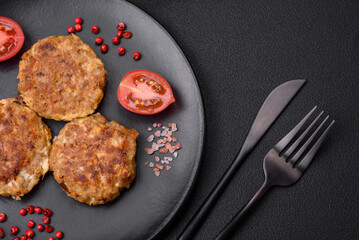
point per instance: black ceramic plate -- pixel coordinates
(143, 210)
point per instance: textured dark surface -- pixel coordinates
(241, 50)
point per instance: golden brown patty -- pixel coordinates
(61, 78)
(93, 159)
(24, 148)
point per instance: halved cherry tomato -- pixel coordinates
(11, 38)
(144, 92)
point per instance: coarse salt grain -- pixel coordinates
(154, 125)
(149, 129)
(168, 168)
(175, 154)
(157, 159)
(150, 138)
(157, 173)
(158, 133)
(152, 164)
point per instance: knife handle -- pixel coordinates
(197, 220)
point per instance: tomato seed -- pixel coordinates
(98, 41)
(95, 29)
(121, 26)
(71, 29)
(78, 27)
(104, 48)
(78, 20)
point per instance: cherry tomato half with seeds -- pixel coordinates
(11, 38)
(144, 92)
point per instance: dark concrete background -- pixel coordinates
(240, 51)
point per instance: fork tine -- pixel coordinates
(303, 165)
(295, 158)
(298, 141)
(284, 142)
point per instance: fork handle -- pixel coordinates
(232, 226)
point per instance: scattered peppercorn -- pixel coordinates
(99, 41)
(119, 33)
(30, 209)
(104, 48)
(121, 50)
(59, 234)
(14, 230)
(47, 212)
(40, 227)
(2, 217)
(16, 238)
(23, 237)
(136, 55)
(49, 228)
(71, 29)
(38, 210)
(116, 40)
(23, 211)
(31, 224)
(78, 27)
(46, 220)
(2, 234)
(51, 238)
(29, 233)
(95, 29)
(121, 26)
(78, 20)
(127, 35)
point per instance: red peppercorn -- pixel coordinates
(121, 50)
(46, 220)
(29, 238)
(47, 212)
(2, 217)
(40, 227)
(2, 234)
(16, 238)
(127, 35)
(31, 224)
(23, 211)
(38, 210)
(14, 230)
(116, 40)
(78, 27)
(23, 237)
(59, 234)
(49, 228)
(104, 48)
(71, 29)
(98, 41)
(51, 238)
(29, 233)
(136, 55)
(119, 33)
(95, 29)
(121, 26)
(78, 20)
(30, 209)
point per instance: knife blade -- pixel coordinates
(272, 107)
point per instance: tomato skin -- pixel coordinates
(130, 89)
(17, 39)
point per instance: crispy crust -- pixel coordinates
(61, 78)
(93, 159)
(24, 148)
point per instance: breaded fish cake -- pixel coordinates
(61, 78)
(93, 159)
(24, 148)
